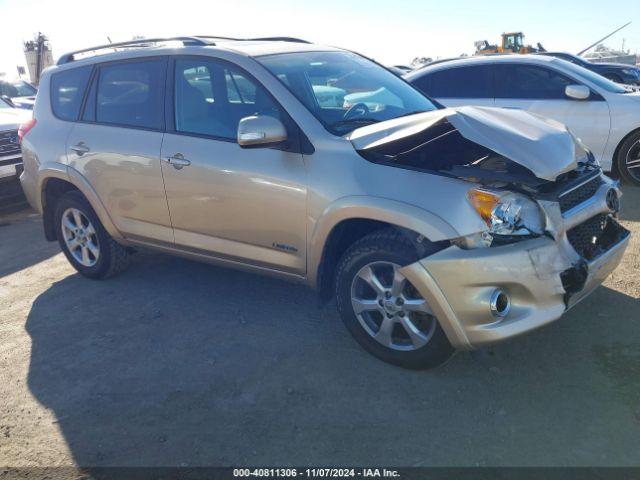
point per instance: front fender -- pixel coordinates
(400, 214)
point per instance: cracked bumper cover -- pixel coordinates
(458, 285)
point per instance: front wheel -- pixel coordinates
(382, 310)
(628, 159)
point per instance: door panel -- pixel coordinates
(244, 204)
(587, 120)
(123, 167)
(117, 146)
(461, 102)
(247, 205)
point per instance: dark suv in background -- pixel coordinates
(616, 72)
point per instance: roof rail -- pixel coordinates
(278, 39)
(260, 39)
(69, 57)
(218, 37)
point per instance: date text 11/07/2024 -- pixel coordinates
(316, 472)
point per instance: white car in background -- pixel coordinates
(10, 154)
(22, 94)
(604, 115)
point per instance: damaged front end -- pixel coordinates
(551, 234)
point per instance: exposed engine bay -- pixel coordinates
(522, 164)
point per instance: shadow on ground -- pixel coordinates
(15, 247)
(630, 202)
(178, 363)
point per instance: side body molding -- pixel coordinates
(381, 209)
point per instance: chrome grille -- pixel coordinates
(9, 143)
(579, 194)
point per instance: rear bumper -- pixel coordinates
(458, 285)
(29, 185)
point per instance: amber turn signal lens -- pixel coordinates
(484, 202)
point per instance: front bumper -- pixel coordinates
(543, 277)
(458, 285)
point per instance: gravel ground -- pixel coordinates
(179, 363)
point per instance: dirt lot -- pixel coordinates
(179, 363)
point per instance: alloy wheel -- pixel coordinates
(390, 309)
(632, 161)
(80, 237)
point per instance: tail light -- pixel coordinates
(25, 128)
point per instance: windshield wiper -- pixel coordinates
(354, 121)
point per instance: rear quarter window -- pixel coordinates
(67, 91)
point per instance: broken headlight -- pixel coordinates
(507, 214)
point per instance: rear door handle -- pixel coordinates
(178, 161)
(80, 148)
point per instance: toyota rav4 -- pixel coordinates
(435, 229)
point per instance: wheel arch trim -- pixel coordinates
(393, 212)
(72, 176)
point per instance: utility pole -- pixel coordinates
(38, 55)
(39, 46)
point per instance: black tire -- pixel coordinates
(631, 146)
(113, 258)
(385, 246)
(613, 77)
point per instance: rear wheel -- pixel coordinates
(628, 159)
(84, 241)
(382, 310)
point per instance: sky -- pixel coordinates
(391, 31)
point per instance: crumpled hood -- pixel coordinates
(543, 146)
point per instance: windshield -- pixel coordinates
(345, 91)
(593, 77)
(17, 89)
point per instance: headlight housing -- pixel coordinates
(507, 214)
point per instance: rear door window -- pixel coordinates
(459, 82)
(67, 90)
(530, 82)
(131, 94)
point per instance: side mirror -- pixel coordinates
(260, 131)
(577, 92)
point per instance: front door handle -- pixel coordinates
(178, 161)
(80, 148)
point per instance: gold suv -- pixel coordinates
(435, 229)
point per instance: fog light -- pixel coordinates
(500, 303)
